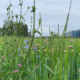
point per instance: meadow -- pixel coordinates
(49, 58)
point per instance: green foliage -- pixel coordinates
(9, 28)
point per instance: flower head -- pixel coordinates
(3, 58)
(2, 42)
(27, 46)
(36, 67)
(26, 41)
(45, 41)
(35, 48)
(45, 50)
(71, 40)
(38, 45)
(70, 46)
(19, 65)
(38, 56)
(16, 71)
(71, 50)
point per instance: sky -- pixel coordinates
(52, 13)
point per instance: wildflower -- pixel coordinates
(2, 42)
(72, 40)
(19, 65)
(38, 45)
(45, 41)
(35, 48)
(38, 56)
(36, 67)
(27, 46)
(70, 46)
(71, 50)
(26, 41)
(9, 55)
(7, 45)
(16, 71)
(3, 58)
(43, 47)
(45, 50)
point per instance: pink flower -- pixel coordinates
(45, 41)
(19, 65)
(38, 45)
(3, 58)
(71, 40)
(36, 67)
(16, 71)
(70, 46)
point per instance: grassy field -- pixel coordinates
(48, 59)
(53, 58)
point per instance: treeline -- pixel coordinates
(10, 28)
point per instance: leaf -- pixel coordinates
(11, 5)
(37, 32)
(22, 17)
(10, 79)
(49, 69)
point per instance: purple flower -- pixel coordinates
(26, 41)
(35, 48)
(27, 46)
(38, 56)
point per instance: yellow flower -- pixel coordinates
(2, 42)
(45, 50)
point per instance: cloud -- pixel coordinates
(52, 13)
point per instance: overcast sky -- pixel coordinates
(52, 13)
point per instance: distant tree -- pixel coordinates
(22, 29)
(9, 27)
(0, 31)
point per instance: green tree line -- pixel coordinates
(10, 28)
